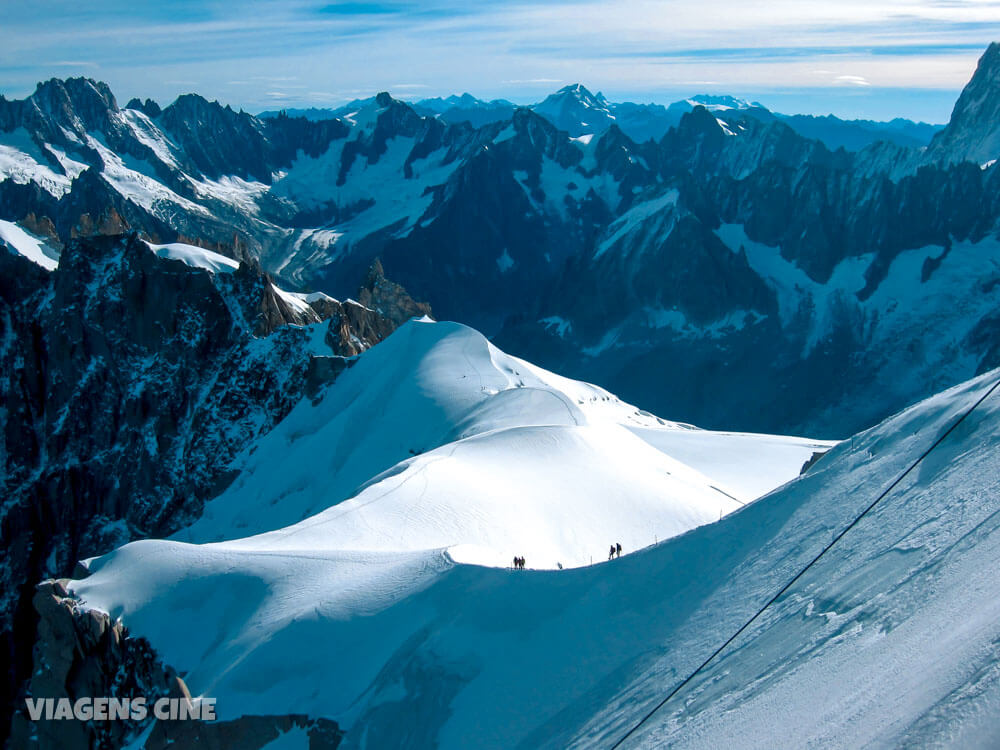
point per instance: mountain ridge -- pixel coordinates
(473, 217)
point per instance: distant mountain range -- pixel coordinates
(577, 111)
(182, 289)
(733, 242)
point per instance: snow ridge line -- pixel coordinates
(808, 565)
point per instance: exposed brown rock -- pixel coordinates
(83, 653)
(389, 298)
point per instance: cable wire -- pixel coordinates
(802, 572)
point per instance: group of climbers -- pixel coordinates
(614, 551)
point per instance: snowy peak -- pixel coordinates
(721, 103)
(576, 110)
(973, 134)
(62, 111)
(439, 105)
(383, 112)
(149, 108)
(467, 108)
(83, 98)
(581, 94)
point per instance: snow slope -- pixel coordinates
(196, 257)
(472, 434)
(410, 648)
(356, 600)
(32, 247)
(890, 640)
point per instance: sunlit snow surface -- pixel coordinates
(196, 257)
(438, 438)
(34, 248)
(359, 609)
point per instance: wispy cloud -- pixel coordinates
(74, 64)
(507, 48)
(851, 81)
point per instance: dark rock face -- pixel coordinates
(973, 134)
(149, 108)
(217, 141)
(129, 383)
(84, 653)
(389, 298)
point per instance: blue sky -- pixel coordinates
(854, 58)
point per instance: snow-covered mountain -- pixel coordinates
(436, 447)
(467, 432)
(467, 108)
(131, 376)
(429, 647)
(182, 368)
(973, 133)
(472, 219)
(577, 111)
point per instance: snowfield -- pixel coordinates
(437, 438)
(333, 577)
(34, 248)
(196, 257)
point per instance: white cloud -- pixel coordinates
(851, 81)
(513, 49)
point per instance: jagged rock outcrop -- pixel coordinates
(389, 298)
(83, 653)
(973, 133)
(129, 383)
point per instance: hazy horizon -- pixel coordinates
(874, 60)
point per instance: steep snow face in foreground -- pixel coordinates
(438, 438)
(889, 640)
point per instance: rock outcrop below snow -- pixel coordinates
(83, 653)
(130, 381)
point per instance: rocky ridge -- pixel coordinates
(129, 383)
